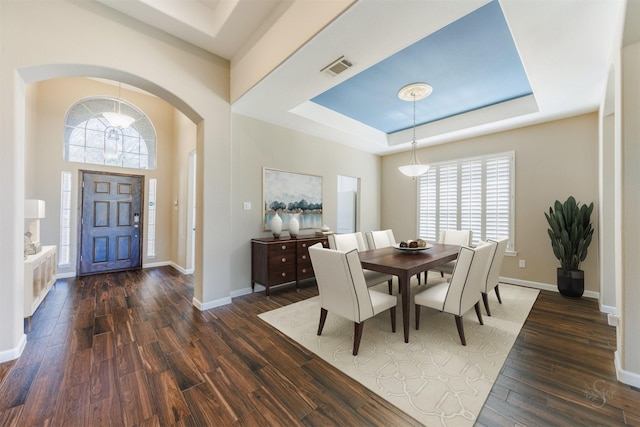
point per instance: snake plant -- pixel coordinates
(570, 232)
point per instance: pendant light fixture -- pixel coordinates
(414, 92)
(117, 119)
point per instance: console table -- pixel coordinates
(39, 276)
(275, 261)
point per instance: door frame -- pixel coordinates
(81, 174)
(191, 217)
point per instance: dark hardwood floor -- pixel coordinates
(128, 348)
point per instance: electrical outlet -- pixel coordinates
(246, 206)
(521, 263)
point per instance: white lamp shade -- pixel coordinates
(33, 208)
(414, 170)
(118, 120)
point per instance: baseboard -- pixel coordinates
(181, 269)
(607, 309)
(543, 286)
(15, 352)
(158, 264)
(626, 377)
(247, 291)
(210, 304)
(66, 275)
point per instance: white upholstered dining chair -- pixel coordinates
(380, 239)
(343, 290)
(452, 237)
(350, 241)
(493, 272)
(462, 292)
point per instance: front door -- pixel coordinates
(111, 222)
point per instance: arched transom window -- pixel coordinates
(92, 135)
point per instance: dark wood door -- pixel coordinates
(111, 222)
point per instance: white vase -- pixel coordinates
(276, 225)
(294, 225)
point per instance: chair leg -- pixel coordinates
(498, 294)
(417, 316)
(460, 330)
(485, 300)
(478, 313)
(390, 287)
(323, 317)
(392, 310)
(357, 336)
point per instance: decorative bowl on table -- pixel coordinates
(412, 245)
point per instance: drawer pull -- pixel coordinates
(284, 274)
(304, 245)
(304, 270)
(325, 244)
(304, 257)
(284, 260)
(284, 247)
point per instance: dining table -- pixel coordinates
(404, 263)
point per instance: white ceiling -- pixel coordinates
(565, 47)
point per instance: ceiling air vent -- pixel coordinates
(337, 66)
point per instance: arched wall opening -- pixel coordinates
(13, 339)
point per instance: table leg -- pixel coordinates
(403, 283)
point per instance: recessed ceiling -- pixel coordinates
(471, 63)
(501, 64)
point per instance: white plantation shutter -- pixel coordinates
(468, 194)
(448, 196)
(427, 206)
(471, 197)
(498, 198)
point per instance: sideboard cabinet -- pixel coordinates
(275, 261)
(39, 276)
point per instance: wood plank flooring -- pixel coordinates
(128, 348)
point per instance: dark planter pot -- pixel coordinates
(571, 283)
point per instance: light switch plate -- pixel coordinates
(246, 206)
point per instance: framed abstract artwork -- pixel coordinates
(289, 193)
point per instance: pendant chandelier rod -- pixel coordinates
(117, 119)
(414, 92)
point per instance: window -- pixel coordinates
(474, 193)
(151, 223)
(65, 219)
(90, 138)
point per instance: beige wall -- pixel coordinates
(256, 145)
(184, 139)
(554, 160)
(45, 163)
(628, 287)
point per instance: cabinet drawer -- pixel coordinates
(305, 270)
(284, 248)
(303, 246)
(282, 260)
(282, 274)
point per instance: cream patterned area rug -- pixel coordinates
(433, 378)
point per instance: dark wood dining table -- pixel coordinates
(406, 264)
